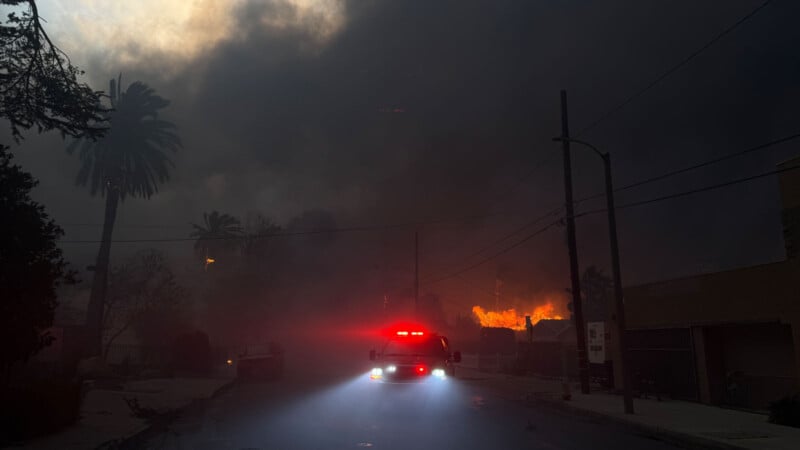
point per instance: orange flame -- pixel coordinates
(510, 318)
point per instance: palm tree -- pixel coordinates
(131, 159)
(255, 243)
(219, 233)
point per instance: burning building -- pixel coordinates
(515, 320)
(499, 328)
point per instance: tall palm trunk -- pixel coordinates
(95, 310)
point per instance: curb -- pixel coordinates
(681, 439)
(684, 440)
(135, 440)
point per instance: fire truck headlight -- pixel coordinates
(391, 369)
(438, 373)
(376, 373)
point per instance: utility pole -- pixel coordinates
(618, 299)
(416, 273)
(622, 363)
(580, 331)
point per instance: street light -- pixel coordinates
(620, 306)
(208, 261)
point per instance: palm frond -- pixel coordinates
(135, 154)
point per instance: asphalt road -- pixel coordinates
(315, 409)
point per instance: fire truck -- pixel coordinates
(413, 354)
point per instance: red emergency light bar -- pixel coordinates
(413, 333)
(405, 330)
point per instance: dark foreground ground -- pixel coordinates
(316, 408)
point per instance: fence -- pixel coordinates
(662, 362)
(756, 392)
(550, 359)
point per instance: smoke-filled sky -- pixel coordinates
(386, 112)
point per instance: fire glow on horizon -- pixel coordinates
(510, 318)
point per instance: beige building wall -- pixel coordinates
(765, 294)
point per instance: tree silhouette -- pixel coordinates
(31, 266)
(38, 88)
(219, 233)
(256, 244)
(132, 159)
(38, 83)
(140, 290)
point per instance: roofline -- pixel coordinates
(708, 274)
(712, 323)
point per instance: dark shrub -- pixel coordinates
(786, 411)
(37, 408)
(191, 352)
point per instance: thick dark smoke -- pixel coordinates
(418, 110)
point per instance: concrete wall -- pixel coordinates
(749, 365)
(765, 297)
(745, 319)
(765, 293)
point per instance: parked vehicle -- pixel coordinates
(260, 362)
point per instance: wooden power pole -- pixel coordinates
(577, 307)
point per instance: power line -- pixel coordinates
(674, 68)
(696, 166)
(498, 197)
(489, 293)
(692, 191)
(493, 256)
(96, 225)
(628, 205)
(508, 192)
(511, 234)
(514, 233)
(519, 183)
(305, 232)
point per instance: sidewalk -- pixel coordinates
(105, 415)
(685, 423)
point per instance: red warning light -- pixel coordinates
(412, 333)
(421, 369)
(405, 329)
